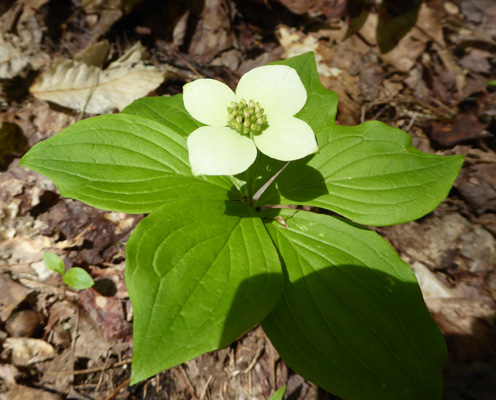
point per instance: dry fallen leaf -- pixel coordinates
(27, 351)
(77, 85)
(430, 285)
(20, 392)
(20, 41)
(11, 295)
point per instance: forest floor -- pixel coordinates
(423, 67)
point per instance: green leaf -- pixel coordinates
(121, 162)
(171, 113)
(199, 274)
(53, 262)
(319, 112)
(491, 82)
(279, 394)
(370, 174)
(168, 111)
(352, 318)
(78, 278)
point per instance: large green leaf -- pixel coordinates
(199, 274)
(369, 173)
(351, 318)
(168, 111)
(121, 162)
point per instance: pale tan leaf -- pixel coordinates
(77, 85)
(27, 351)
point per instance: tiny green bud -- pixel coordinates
(246, 117)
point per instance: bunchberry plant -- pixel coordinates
(77, 278)
(224, 248)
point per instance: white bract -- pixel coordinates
(259, 115)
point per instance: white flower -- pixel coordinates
(259, 115)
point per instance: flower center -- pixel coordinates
(246, 117)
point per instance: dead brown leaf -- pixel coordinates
(11, 295)
(27, 351)
(213, 34)
(19, 392)
(77, 85)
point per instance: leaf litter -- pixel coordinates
(81, 86)
(431, 83)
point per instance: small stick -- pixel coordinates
(118, 389)
(193, 69)
(90, 370)
(178, 376)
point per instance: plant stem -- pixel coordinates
(260, 191)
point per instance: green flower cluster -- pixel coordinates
(246, 118)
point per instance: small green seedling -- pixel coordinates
(279, 394)
(77, 278)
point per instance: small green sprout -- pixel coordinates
(77, 278)
(279, 394)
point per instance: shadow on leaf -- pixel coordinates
(358, 333)
(300, 182)
(254, 299)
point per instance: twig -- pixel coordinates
(204, 391)
(193, 69)
(422, 30)
(252, 364)
(118, 389)
(90, 95)
(186, 385)
(91, 370)
(412, 121)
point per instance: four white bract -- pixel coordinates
(259, 115)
